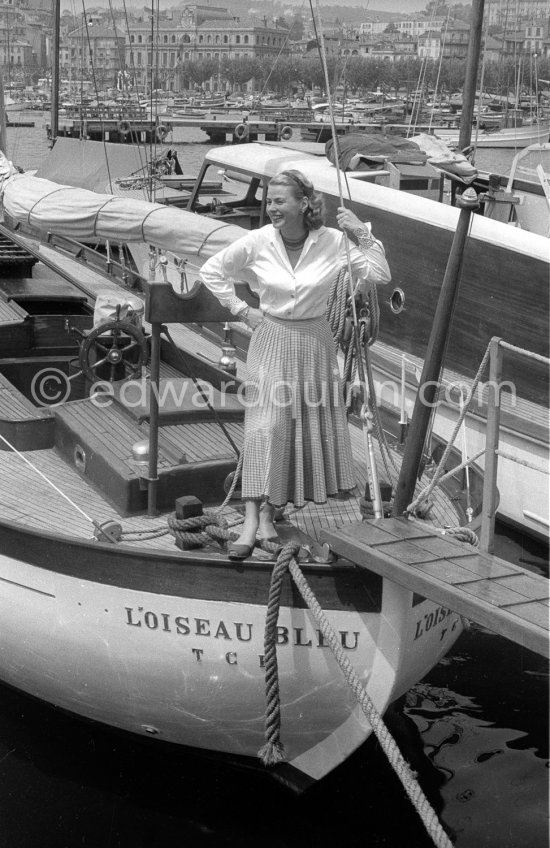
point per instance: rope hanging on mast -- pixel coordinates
(366, 415)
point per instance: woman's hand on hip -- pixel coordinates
(253, 318)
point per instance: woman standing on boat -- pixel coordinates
(296, 442)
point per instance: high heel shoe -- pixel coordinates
(237, 552)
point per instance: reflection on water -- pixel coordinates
(487, 737)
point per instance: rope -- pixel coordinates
(199, 530)
(142, 535)
(463, 534)
(425, 493)
(528, 353)
(454, 471)
(336, 306)
(47, 479)
(273, 752)
(523, 462)
(336, 314)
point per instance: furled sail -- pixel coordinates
(81, 214)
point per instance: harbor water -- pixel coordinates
(475, 731)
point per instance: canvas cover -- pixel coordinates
(413, 156)
(83, 215)
(92, 164)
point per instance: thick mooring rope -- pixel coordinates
(273, 752)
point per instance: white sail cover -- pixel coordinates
(81, 214)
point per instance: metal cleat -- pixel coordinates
(316, 553)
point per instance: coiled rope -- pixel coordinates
(338, 315)
(273, 751)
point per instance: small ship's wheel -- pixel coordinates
(115, 350)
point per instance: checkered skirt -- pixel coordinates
(296, 440)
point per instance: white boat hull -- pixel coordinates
(190, 671)
(512, 137)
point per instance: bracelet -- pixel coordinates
(365, 238)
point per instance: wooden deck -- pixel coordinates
(10, 314)
(501, 596)
(190, 439)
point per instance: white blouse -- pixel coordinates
(260, 259)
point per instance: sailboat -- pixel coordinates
(116, 509)
(125, 624)
(505, 272)
(513, 138)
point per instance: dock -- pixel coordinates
(221, 128)
(501, 596)
(10, 123)
(117, 130)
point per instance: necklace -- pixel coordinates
(294, 244)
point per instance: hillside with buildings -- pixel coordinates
(237, 47)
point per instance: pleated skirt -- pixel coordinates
(296, 440)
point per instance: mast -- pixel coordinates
(3, 138)
(55, 70)
(470, 81)
(372, 475)
(429, 382)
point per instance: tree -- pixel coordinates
(239, 71)
(460, 12)
(361, 74)
(311, 73)
(296, 28)
(199, 72)
(279, 76)
(437, 8)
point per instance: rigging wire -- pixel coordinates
(124, 81)
(439, 68)
(421, 84)
(96, 90)
(371, 465)
(127, 91)
(264, 87)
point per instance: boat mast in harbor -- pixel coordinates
(55, 70)
(435, 354)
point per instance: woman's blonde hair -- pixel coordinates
(314, 215)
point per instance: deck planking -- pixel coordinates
(501, 596)
(195, 440)
(10, 314)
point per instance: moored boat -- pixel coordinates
(125, 626)
(501, 137)
(505, 271)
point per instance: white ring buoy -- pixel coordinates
(241, 131)
(287, 133)
(161, 132)
(123, 128)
